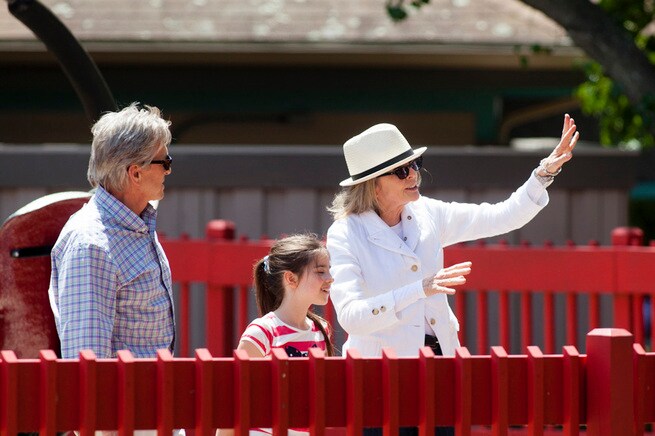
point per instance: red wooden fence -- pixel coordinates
(610, 390)
(623, 271)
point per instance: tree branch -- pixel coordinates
(592, 30)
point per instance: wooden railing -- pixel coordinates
(623, 272)
(610, 390)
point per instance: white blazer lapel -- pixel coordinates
(380, 234)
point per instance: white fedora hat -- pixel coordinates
(375, 151)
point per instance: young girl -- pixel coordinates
(294, 276)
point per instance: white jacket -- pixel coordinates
(377, 290)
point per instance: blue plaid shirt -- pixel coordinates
(110, 287)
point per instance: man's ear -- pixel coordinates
(134, 173)
(290, 279)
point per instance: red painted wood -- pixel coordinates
(499, 391)
(125, 394)
(549, 323)
(526, 320)
(610, 401)
(460, 313)
(242, 388)
(594, 311)
(390, 393)
(88, 393)
(204, 391)
(165, 393)
(354, 393)
(184, 320)
(464, 392)
(571, 318)
(243, 308)
(483, 322)
(536, 390)
(9, 401)
(317, 396)
(637, 328)
(427, 392)
(640, 393)
(280, 391)
(48, 393)
(503, 309)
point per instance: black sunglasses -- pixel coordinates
(403, 171)
(166, 163)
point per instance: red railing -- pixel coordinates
(610, 390)
(625, 272)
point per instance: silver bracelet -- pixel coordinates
(545, 181)
(543, 167)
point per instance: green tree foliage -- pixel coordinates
(622, 122)
(624, 104)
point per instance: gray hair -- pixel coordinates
(120, 139)
(356, 199)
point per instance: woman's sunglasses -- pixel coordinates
(403, 171)
(167, 163)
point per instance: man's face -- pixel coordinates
(152, 187)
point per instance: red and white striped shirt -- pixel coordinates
(270, 332)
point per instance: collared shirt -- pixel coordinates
(110, 287)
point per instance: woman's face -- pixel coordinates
(393, 193)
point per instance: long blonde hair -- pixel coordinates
(354, 199)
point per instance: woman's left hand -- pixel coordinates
(552, 165)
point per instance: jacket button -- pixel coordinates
(409, 217)
(433, 321)
(414, 268)
(383, 309)
(375, 311)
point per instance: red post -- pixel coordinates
(126, 394)
(426, 383)
(571, 318)
(48, 391)
(390, 392)
(88, 393)
(640, 392)
(463, 391)
(8, 393)
(220, 300)
(185, 330)
(354, 393)
(165, 392)
(317, 402)
(241, 393)
(499, 391)
(571, 394)
(535, 391)
(204, 391)
(280, 391)
(526, 320)
(623, 236)
(483, 322)
(549, 323)
(610, 401)
(503, 321)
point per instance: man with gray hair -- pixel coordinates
(110, 287)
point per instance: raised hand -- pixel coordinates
(552, 165)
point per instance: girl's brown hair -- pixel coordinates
(294, 253)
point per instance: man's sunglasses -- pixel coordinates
(403, 171)
(166, 163)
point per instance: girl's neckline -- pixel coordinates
(306, 327)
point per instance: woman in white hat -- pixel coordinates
(386, 243)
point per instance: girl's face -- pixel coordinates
(316, 281)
